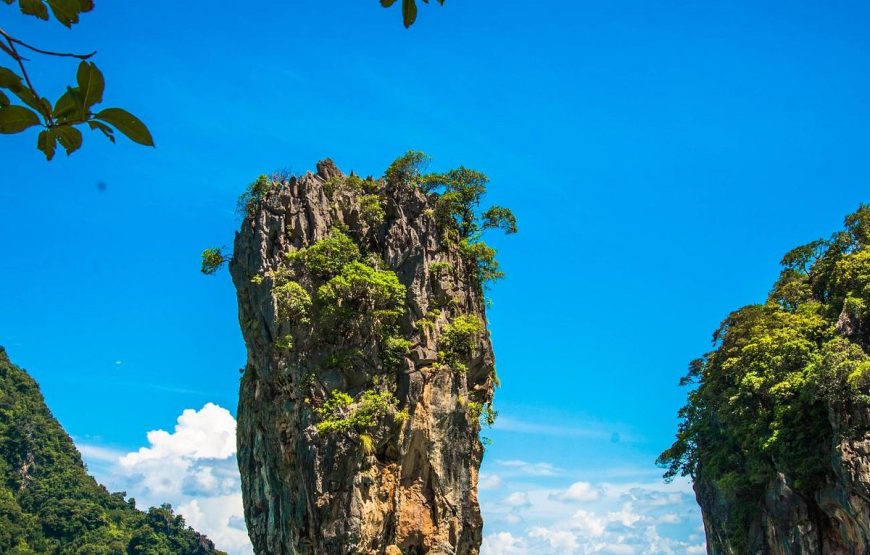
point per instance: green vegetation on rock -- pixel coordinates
(458, 340)
(780, 374)
(341, 413)
(458, 194)
(326, 258)
(212, 260)
(49, 505)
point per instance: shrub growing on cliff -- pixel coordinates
(407, 168)
(372, 210)
(293, 303)
(778, 371)
(326, 258)
(458, 340)
(212, 260)
(250, 200)
(341, 413)
(361, 291)
(458, 194)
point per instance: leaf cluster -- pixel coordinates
(60, 121)
(73, 108)
(458, 194)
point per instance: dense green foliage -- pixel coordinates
(458, 340)
(326, 258)
(212, 260)
(75, 107)
(49, 504)
(340, 413)
(293, 302)
(779, 374)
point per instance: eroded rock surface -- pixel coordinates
(410, 485)
(835, 520)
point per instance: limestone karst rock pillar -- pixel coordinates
(369, 365)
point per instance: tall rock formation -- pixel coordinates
(776, 435)
(369, 368)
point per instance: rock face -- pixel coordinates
(327, 473)
(835, 520)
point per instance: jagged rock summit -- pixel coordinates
(369, 367)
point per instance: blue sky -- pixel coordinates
(660, 157)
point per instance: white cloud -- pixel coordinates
(488, 481)
(580, 491)
(193, 468)
(530, 468)
(517, 499)
(561, 540)
(591, 518)
(503, 543)
(589, 523)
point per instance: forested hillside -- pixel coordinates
(48, 502)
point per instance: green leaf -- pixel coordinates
(409, 12)
(106, 130)
(128, 124)
(15, 119)
(33, 7)
(69, 105)
(47, 143)
(91, 84)
(387, 3)
(66, 11)
(9, 79)
(69, 138)
(4, 100)
(41, 105)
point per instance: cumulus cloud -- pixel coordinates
(503, 543)
(193, 468)
(579, 491)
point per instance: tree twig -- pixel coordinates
(10, 38)
(48, 119)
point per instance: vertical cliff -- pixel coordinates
(369, 364)
(776, 433)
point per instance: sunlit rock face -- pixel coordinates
(406, 481)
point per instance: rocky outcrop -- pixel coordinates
(776, 430)
(358, 419)
(834, 520)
